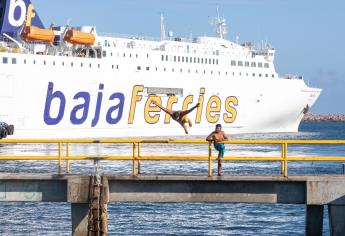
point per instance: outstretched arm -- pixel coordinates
(183, 113)
(210, 137)
(170, 112)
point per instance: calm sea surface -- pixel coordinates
(176, 218)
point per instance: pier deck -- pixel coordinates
(314, 191)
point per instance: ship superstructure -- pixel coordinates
(72, 82)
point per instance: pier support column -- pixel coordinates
(79, 219)
(314, 221)
(336, 215)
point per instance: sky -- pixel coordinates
(308, 35)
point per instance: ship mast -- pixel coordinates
(220, 23)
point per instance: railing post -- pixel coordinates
(134, 161)
(285, 160)
(139, 163)
(59, 161)
(209, 160)
(282, 161)
(67, 159)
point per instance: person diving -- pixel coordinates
(179, 116)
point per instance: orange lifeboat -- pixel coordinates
(78, 37)
(33, 33)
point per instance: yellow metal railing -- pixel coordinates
(136, 156)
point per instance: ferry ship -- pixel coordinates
(71, 82)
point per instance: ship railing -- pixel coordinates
(128, 36)
(135, 155)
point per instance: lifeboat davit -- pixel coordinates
(33, 33)
(78, 37)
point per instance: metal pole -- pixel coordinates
(139, 163)
(134, 161)
(67, 159)
(59, 161)
(209, 160)
(285, 160)
(282, 161)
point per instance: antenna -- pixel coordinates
(220, 23)
(163, 35)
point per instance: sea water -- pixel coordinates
(177, 218)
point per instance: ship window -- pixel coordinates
(266, 75)
(205, 60)
(156, 69)
(81, 64)
(233, 73)
(181, 70)
(266, 65)
(111, 54)
(196, 71)
(147, 55)
(165, 69)
(210, 61)
(117, 66)
(240, 63)
(136, 55)
(63, 63)
(166, 58)
(204, 71)
(24, 61)
(188, 70)
(138, 67)
(124, 55)
(112, 66)
(260, 64)
(14, 60)
(272, 76)
(44, 63)
(172, 69)
(253, 64)
(198, 60)
(190, 60)
(34, 61)
(182, 59)
(259, 75)
(211, 72)
(130, 55)
(162, 57)
(218, 72)
(253, 74)
(214, 61)
(226, 73)
(233, 63)
(72, 64)
(187, 59)
(202, 60)
(246, 64)
(104, 53)
(240, 73)
(99, 66)
(174, 58)
(194, 60)
(90, 65)
(53, 63)
(178, 59)
(147, 68)
(217, 61)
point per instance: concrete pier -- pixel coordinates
(314, 191)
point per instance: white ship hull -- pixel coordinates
(262, 105)
(70, 82)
